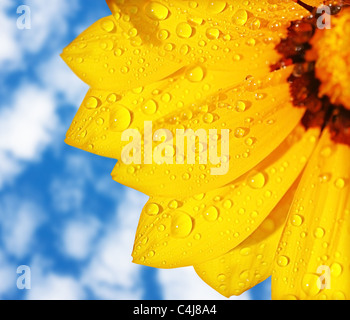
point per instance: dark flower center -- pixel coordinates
(304, 84)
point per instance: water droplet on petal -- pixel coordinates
(211, 213)
(227, 204)
(319, 233)
(184, 30)
(152, 209)
(108, 25)
(91, 103)
(156, 11)
(241, 132)
(240, 17)
(213, 33)
(297, 220)
(120, 118)
(339, 183)
(195, 74)
(240, 106)
(150, 107)
(256, 180)
(181, 225)
(221, 277)
(336, 269)
(283, 261)
(216, 6)
(311, 284)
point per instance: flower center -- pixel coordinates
(321, 75)
(332, 47)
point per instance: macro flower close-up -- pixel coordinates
(234, 118)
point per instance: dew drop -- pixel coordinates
(227, 204)
(336, 269)
(319, 233)
(310, 284)
(181, 225)
(297, 220)
(91, 103)
(120, 118)
(245, 251)
(256, 180)
(108, 25)
(195, 74)
(213, 33)
(152, 209)
(100, 121)
(163, 34)
(339, 183)
(217, 6)
(208, 118)
(240, 106)
(150, 107)
(112, 98)
(283, 261)
(241, 132)
(240, 17)
(197, 236)
(173, 204)
(221, 277)
(184, 30)
(211, 213)
(156, 11)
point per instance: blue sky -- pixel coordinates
(61, 214)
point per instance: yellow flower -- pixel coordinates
(273, 75)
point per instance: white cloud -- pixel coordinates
(48, 22)
(111, 274)
(49, 285)
(56, 287)
(19, 221)
(9, 43)
(184, 284)
(7, 275)
(48, 25)
(26, 128)
(58, 78)
(78, 236)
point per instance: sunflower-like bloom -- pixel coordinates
(275, 75)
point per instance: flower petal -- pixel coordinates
(316, 240)
(181, 232)
(94, 129)
(251, 261)
(256, 117)
(145, 42)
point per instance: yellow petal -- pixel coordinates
(95, 127)
(316, 240)
(253, 118)
(145, 42)
(251, 261)
(181, 232)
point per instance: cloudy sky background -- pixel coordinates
(60, 212)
